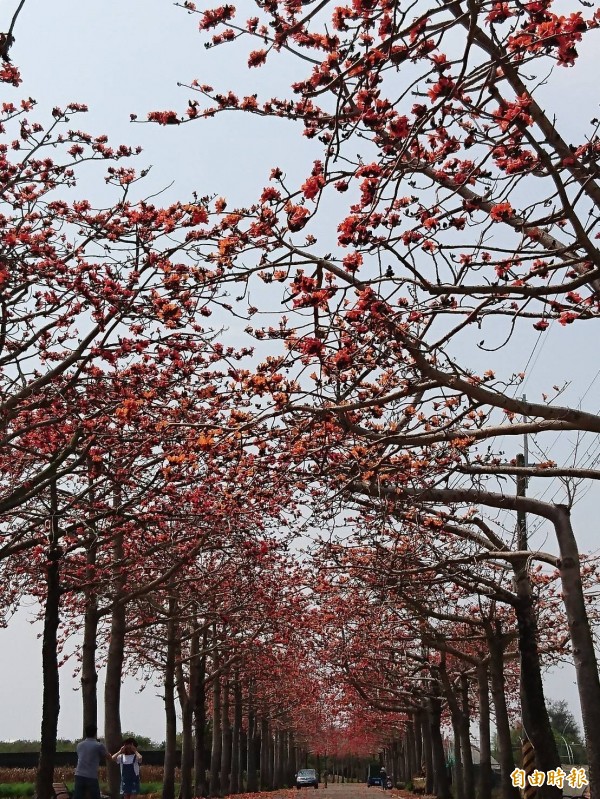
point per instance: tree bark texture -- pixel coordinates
(497, 682)
(217, 736)
(168, 789)
(264, 753)
(584, 655)
(89, 675)
(465, 738)
(50, 679)
(441, 784)
(251, 746)
(536, 722)
(200, 758)
(236, 728)
(187, 701)
(484, 790)
(226, 745)
(427, 752)
(115, 658)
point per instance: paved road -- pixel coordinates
(353, 790)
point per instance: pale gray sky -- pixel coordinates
(126, 56)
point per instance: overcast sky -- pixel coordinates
(126, 56)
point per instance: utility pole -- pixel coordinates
(522, 542)
(522, 460)
(528, 751)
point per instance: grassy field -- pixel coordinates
(18, 783)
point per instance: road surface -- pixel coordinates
(352, 790)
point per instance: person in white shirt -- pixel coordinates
(129, 760)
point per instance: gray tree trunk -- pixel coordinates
(115, 658)
(485, 749)
(536, 721)
(427, 752)
(187, 701)
(441, 784)
(264, 753)
(89, 675)
(236, 729)
(50, 679)
(505, 755)
(465, 739)
(200, 755)
(226, 737)
(251, 746)
(584, 655)
(217, 737)
(168, 789)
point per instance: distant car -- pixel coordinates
(374, 775)
(307, 778)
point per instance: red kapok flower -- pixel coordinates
(257, 57)
(501, 212)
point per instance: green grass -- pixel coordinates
(154, 787)
(8, 790)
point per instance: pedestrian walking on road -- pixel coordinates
(383, 779)
(90, 753)
(129, 760)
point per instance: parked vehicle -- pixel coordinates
(307, 778)
(374, 775)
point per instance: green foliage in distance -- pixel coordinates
(66, 745)
(567, 733)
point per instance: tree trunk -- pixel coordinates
(427, 751)
(411, 749)
(252, 782)
(455, 715)
(275, 737)
(264, 753)
(292, 769)
(441, 784)
(226, 737)
(465, 739)
(536, 722)
(416, 722)
(271, 760)
(396, 770)
(217, 737)
(458, 782)
(243, 760)
(236, 729)
(187, 701)
(50, 679)
(280, 771)
(506, 758)
(168, 789)
(200, 786)
(89, 675)
(485, 750)
(584, 656)
(115, 658)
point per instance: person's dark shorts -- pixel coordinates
(86, 787)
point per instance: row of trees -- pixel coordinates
(155, 471)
